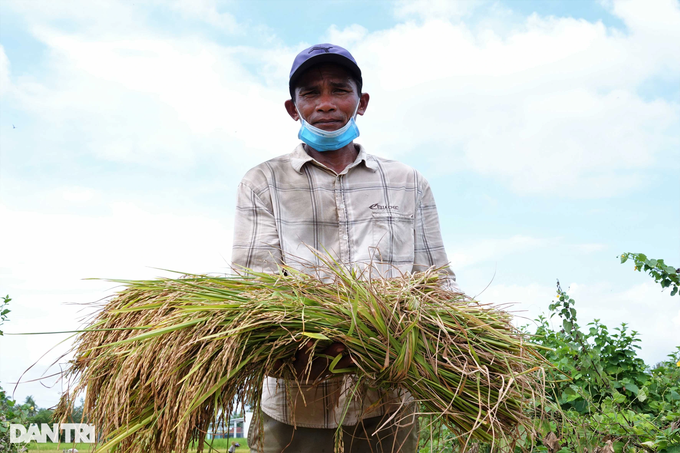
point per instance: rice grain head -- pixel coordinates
(166, 359)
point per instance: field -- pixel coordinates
(219, 444)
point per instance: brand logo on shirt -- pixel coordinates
(383, 206)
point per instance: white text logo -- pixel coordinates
(81, 433)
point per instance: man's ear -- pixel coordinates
(363, 103)
(290, 108)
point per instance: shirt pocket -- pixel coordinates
(393, 237)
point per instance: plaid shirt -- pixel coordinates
(376, 212)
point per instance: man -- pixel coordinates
(370, 213)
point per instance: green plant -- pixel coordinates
(603, 390)
(42, 415)
(663, 274)
(10, 413)
(603, 397)
(593, 363)
(4, 310)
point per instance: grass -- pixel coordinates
(220, 444)
(223, 445)
(52, 447)
(165, 357)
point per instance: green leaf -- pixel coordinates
(642, 395)
(619, 398)
(624, 258)
(612, 369)
(632, 388)
(316, 336)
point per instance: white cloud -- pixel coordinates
(526, 302)
(64, 248)
(489, 250)
(131, 93)
(206, 10)
(167, 101)
(78, 194)
(347, 36)
(589, 248)
(644, 307)
(429, 9)
(654, 26)
(110, 18)
(549, 108)
(4, 72)
(45, 258)
(88, 17)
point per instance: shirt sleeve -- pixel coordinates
(429, 245)
(256, 244)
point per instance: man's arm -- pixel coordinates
(429, 245)
(256, 243)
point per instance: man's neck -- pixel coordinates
(336, 160)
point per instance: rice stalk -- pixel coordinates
(167, 358)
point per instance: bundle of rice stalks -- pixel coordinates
(167, 358)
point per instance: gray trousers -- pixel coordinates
(279, 437)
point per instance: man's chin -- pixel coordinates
(328, 126)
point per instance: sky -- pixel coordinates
(548, 130)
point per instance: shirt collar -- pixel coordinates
(299, 158)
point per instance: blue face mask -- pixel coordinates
(322, 140)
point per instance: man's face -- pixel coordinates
(326, 96)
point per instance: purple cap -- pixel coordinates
(322, 53)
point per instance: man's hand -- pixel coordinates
(320, 365)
